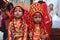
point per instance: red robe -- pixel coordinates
(42, 8)
(47, 18)
(20, 27)
(38, 32)
(16, 32)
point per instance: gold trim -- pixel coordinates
(36, 7)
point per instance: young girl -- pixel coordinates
(37, 30)
(18, 28)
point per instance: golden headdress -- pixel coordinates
(36, 7)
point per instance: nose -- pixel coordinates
(38, 18)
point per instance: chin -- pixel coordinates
(37, 22)
(17, 16)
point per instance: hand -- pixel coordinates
(43, 37)
(18, 35)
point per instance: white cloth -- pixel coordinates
(55, 19)
(56, 22)
(1, 35)
(52, 13)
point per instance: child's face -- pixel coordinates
(37, 18)
(18, 13)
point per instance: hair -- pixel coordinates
(20, 7)
(51, 4)
(2, 4)
(41, 2)
(9, 5)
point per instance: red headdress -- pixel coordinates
(35, 7)
(22, 7)
(25, 16)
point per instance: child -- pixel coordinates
(18, 29)
(37, 30)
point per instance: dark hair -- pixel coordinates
(2, 4)
(41, 2)
(9, 6)
(20, 7)
(51, 4)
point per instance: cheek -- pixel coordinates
(37, 19)
(18, 14)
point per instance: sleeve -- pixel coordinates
(44, 34)
(10, 32)
(25, 32)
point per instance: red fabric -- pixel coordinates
(2, 28)
(4, 24)
(47, 17)
(5, 21)
(25, 16)
(46, 21)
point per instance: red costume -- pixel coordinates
(36, 31)
(18, 29)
